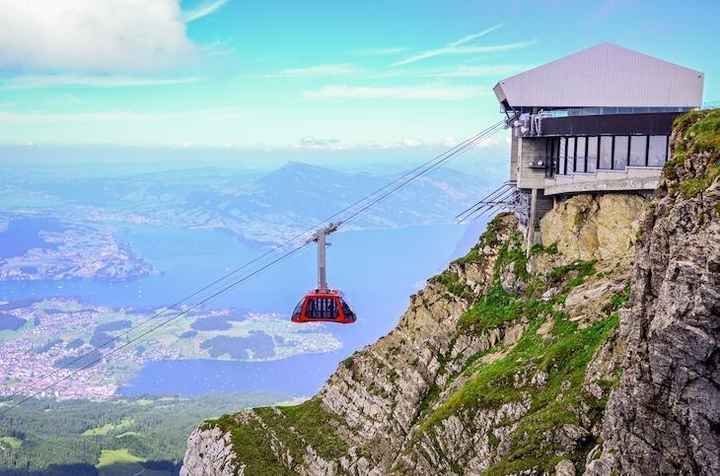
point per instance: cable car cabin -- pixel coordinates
(323, 306)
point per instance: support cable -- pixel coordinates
(404, 180)
(273, 250)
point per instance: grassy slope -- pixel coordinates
(696, 132)
(297, 426)
(563, 356)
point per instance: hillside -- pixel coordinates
(598, 354)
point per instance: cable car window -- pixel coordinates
(298, 309)
(348, 312)
(322, 308)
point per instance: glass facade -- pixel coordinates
(589, 154)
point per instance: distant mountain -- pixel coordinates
(297, 195)
(270, 207)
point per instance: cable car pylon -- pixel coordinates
(323, 304)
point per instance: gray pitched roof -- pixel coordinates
(604, 75)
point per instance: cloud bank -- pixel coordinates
(93, 35)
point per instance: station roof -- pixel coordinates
(606, 75)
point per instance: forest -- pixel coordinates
(47, 437)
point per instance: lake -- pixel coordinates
(23, 233)
(377, 269)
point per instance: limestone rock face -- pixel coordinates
(664, 418)
(210, 453)
(589, 227)
(380, 393)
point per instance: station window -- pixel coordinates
(581, 154)
(657, 151)
(622, 144)
(606, 145)
(571, 155)
(592, 153)
(556, 155)
(637, 150)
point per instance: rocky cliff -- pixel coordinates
(598, 353)
(664, 417)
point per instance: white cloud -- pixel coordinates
(93, 35)
(57, 80)
(440, 93)
(465, 50)
(203, 10)
(316, 71)
(474, 36)
(411, 142)
(320, 143)
(459, 47)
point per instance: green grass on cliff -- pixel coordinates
(491, 311)
(297, 426)
(560, 401)
(451, 281)
(497, 306)
(563, 358)
(489, 238)
(559, 359)
(696, 132)
(251, 441)
(307, 424)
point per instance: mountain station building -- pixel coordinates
(596, 121)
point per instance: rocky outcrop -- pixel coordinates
(210, 453)
(664, 418)
(505, 364)
(599, 227)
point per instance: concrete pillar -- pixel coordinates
(530, 238)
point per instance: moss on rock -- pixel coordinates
(254, 434)
(695, 163)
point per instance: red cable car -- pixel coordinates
(323, 304)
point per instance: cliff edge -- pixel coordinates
(598, 353)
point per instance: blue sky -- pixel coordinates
(279, 74)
